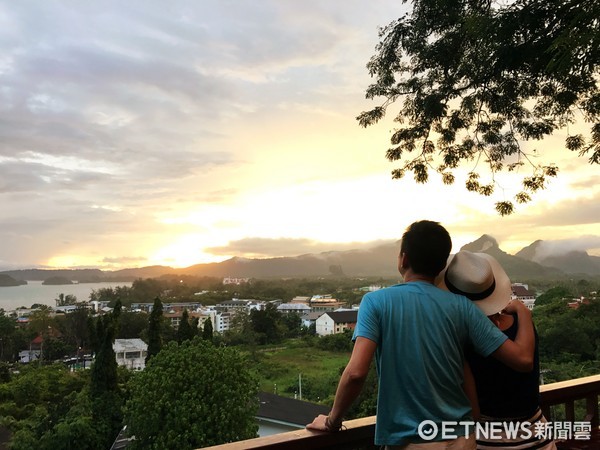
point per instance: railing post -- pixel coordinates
(591, 403)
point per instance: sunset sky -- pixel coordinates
(149, 132)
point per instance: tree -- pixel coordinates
(74, 326)
(192, 395)
(10, 338)
(104, 368)
(35, 399)
(40, 321)
(65, 300)
(185, 332)
(555, 293)
(155, 329)
(478, 78)
(104, 392)
(267, 324)
(132, 324)
(292, 324)
(207, 330)
(107, 295)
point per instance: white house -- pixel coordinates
(521, 292)
(334, 322)
(310, 318)
(131, 353)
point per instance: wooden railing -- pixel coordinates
(566, 393)
(359, 433)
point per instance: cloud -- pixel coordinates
(22, 176)
(124, 260)
(562, 246)
(570, 212)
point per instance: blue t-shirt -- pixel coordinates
(421, 331)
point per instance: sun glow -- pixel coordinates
(185, 251)
(70, 261)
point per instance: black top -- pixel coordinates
(503, 392)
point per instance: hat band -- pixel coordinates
(471, 296)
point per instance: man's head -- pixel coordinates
(425, 246)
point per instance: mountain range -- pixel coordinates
(532, 262)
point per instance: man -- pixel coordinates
(417, 332)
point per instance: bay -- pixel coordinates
(13, 297)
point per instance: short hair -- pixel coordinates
(427, 245)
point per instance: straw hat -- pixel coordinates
(480, 278)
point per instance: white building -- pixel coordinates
(131, 353)
(232, 280)
(334, 322)
(223, 321)
(310, 318)
(298, 308)
(521, 292)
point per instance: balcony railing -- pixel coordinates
(558, 403)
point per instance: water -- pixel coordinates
(13, 297)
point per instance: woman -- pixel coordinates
(504, 395)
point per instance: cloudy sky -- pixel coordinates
(150, 132)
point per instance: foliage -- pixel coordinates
(192, 395)
(35, 399)
(65, 300)
(262, 326)
(478, 78)
(267, 324)
(54, 349)
(47, 407)
(154, 329)
(12, 338)
(366, 403)
(74, 327)
(40, 321)
(292, 324)
(568, 335)
(104, 368)
(106, 400)
(185, 332)
(315, 389)
(336, 342)
(111, 295)
(554, 293)
(144, 289)
(207, 330)
(279, 369)
(132, 325)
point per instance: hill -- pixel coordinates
(380, 261)
(515, 266)
(564, 259)
(7, 280)
(57, 281)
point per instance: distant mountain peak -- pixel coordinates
(481, 245)
(531, 251)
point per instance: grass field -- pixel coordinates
(280, 368)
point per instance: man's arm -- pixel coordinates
(518, 354)
(471, 390)
(349, 387)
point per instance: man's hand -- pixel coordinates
(519, 355)
(516, 306)
(323, 423)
